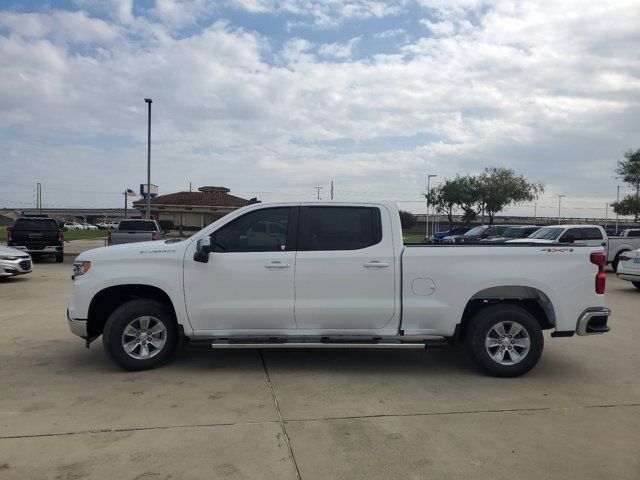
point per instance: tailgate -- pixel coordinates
(130, 237)
(37, 239)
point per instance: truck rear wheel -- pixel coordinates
(636, 284)
(505, 340)
(140, 334)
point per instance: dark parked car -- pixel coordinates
(511, 233)
(37, 236)
(438, 236)
(476, 234)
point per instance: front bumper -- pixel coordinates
(11, 268)
(593, 321)
(77, 326)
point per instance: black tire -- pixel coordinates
(112, 336)
(479, 330)
(636, 284)
(60, 257)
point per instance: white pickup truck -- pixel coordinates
(322, 275)
(593, 235)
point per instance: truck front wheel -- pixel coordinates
(505, 340)
(140, 334)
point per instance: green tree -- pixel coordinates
(497, 188)
(458, 192)
(629, 171)
(468, 195)
(407, 219)
(629, 205)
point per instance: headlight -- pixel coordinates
(8, 257)
(80, 268)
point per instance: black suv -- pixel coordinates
(37, 236)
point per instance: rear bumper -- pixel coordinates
(51, 249)
(593, 321)
(629, 276)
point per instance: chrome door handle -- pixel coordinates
(375, 263)
(277, 265)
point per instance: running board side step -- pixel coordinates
(280, 343)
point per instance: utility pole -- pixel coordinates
(318, 189)
(535, 211)
(560, 206)
(148, 210)
(429, 177)
(617, 207)
(331, 189)
(125, 203)
(606, 215)
(39, 198)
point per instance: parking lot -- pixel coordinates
(67, 412)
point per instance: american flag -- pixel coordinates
(131, 193)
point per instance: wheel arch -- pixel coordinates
(104, 303)
(531, 299)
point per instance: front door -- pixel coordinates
(345, 269)
(247, 283)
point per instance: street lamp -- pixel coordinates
(617, 207)
(559, 206)
(429, 177)
(148, 213)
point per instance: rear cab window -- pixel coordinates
(339, 228)
(138, 225)
(35, 224)
(591, 234)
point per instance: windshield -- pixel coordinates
(547, 233)
(475, 231)
(138, 225)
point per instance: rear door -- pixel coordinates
(345, 269)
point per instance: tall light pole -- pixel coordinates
(148, 212)
(429, 177)
(560, 206)
(318, 190)
(617, 207)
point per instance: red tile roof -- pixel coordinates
(206, 197)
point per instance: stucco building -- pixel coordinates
(193, 209)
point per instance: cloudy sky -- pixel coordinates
(272, 98)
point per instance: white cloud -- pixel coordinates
(390, 33)
(324, 13)
(73, 27)
(339, 50)
(550, 89)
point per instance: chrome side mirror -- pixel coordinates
(203, 249)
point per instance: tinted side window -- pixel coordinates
(634, 233)
(572, 232)
(258, 231)
(591, 234)
(339, 228)
(137, 225)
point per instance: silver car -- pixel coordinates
(14, 262)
